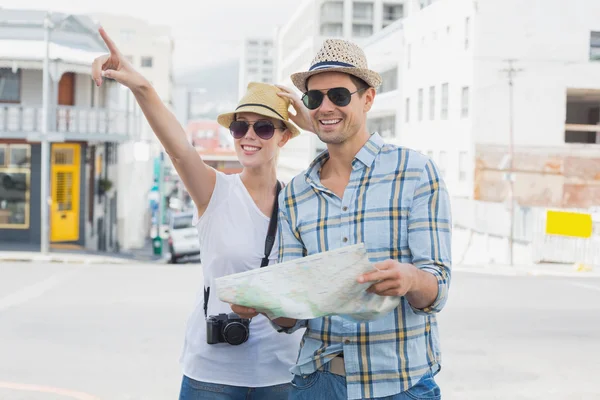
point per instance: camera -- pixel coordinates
(227, 328)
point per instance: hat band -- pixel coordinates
(259, 105)
(330, 64)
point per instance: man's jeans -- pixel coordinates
(325, 385)
(195, 390)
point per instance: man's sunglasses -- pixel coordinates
(264, 129)
(340, 96)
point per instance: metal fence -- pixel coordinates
(493, 219)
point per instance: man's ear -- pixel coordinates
(369, 99)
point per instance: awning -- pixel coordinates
(30, 53)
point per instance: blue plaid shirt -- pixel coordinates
(397, 204)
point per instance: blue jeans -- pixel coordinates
(195, 390)
(321, 385)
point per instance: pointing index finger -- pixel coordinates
(112, 47)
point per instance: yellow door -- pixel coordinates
(65, 175)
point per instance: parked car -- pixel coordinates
(183, 237)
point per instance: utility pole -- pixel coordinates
(511, 71)
(45, 144)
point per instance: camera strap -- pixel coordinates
(269, 242)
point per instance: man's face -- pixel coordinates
(335, 124)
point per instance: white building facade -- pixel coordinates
(257, 62)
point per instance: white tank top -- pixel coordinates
(232, 234)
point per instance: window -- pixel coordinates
(362, 11)
(127, 35)
(392, 12)
(15, 170)
(362, 30)
(464, 103)
(10, 86)
(444, 110)
(147, 62)
(432, 103)
(407, 110)
(420, 105)
(332, 30)
(467, 31)
(267, 62)
(332, 11)
(385, 126)
(462, 166)
(595, 46)
(389, 80)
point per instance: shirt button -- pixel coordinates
(345, 239)
(347, 341)
(344, 208)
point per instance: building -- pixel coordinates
(256, 63)
(506, 100)
(302, 36)
(84, 122)
(462, 113)
(150, 49)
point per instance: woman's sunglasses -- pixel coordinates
(264, 129)
(339, 96)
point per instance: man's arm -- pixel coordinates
(430, 242)
(424, 284)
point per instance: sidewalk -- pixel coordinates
(543, 269)
(77, 255)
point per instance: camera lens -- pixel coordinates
(235, 333)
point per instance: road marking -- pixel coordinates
(34, 291)
(586, 285)
(47, 389)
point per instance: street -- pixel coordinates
(114, 332)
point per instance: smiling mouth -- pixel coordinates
(330, 122)
(250, 149)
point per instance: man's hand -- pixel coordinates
(392, 278)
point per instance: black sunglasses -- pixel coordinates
(340, 96)
(264, 129)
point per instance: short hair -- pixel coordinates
(360, 84)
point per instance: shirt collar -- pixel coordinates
(364, 158)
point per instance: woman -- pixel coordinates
(232, 215)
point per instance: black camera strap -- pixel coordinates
(269, 242)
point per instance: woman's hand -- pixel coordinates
(115, 66)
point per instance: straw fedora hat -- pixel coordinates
(262, 99)
(337, 55)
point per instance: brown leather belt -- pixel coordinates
(336, 366)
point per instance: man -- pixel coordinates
(392, 199)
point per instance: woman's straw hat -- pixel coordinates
(262, 99)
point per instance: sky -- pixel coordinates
(206, 32)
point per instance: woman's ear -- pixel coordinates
(287, 135)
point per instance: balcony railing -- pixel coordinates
(69, 120)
